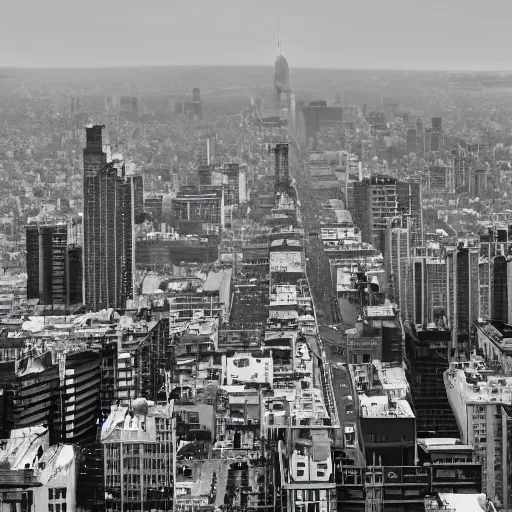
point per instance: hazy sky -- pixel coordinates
(397, 34)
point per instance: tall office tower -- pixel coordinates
(410, 206)
(139, 450)
(281, 164)
(412, 141)
(282, 86)
(429, 283)
(420, 133)
(32, 243)
(138, 197)
(463, 293)
(398, 267)
(108, 225)
(500, 289)
(426, 350)
(481, 183)
(494, 247)
(52, 275)
(359, 203)
(52, 264)
(194, 107)
(428, 140)
(437, 143)
(384, 205)
(374, 200)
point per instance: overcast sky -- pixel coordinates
(391, 34)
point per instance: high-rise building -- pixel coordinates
(410, 207)
(108, 227)
(139, 447)
(437, 135)
(427, 351)
(429, 284)
(500, 297)
(52, 260)
(412, 140)
(428, 139)
(281, 164)
(398, 262)
(194, 107)
(463, 293)
(420, 133)
(138, 197)
(373, 201)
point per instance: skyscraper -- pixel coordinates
(108, 224)
(463, 292)
(412, 140)
(53, 265)
(281, 79)
(420, 133)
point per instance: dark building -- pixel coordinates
(153, 207)
(108, 237)
(360, 208)
(463, 297)
(52, 264)
(90, 489)
(437, 139)
(70, 403)
(426, 351)
(500, 289)
(138, 198)
(281, 164)
(412, 140)
(32, 243)
(54, 267)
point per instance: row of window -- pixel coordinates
(58, 507)
(57, 494)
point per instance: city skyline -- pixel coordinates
(395, 35)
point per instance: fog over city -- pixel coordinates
(255, 256)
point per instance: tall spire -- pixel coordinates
(278, 39)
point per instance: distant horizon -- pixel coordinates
(270, 66)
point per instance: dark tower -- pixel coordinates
(281, 164)
(108, 222)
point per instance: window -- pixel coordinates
(64, 507)
(300, 472)
(50, 494)
(57, 507)
(50, 508)
(57, 494)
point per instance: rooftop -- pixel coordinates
(451, 502)
(477, 383)
(382, 407)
